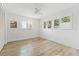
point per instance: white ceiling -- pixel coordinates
(27, 9)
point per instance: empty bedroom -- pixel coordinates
(39, 29)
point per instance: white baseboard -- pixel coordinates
(22, 39)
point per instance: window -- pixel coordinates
(29, 24)
(26, 24)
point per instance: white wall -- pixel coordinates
(2, 28)
(66, 37)
(14, 34)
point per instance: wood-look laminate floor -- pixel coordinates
(37, 47)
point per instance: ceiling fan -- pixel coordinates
(38, 11)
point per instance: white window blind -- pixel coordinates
(26, 24)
